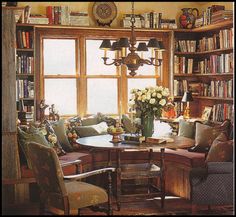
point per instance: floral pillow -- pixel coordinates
(51, 137)
(221, 150)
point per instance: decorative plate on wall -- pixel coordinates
(104, 12)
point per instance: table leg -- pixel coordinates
(118, 180)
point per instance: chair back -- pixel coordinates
(47, 169)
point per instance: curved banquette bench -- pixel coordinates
(178, 161)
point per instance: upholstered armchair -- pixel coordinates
(66, 194)
(212, 185)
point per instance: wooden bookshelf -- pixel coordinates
(211, 75)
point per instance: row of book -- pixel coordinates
(63, 16)
(216, 64)
(24, 89)
(220, 112)
(183, 65)
(24, 39)
(179, 108)
(151, 20)
(222, 89)
(186, 45)
(24, 64)
(221, 40)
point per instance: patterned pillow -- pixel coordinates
(31, 135)
(49, 133)
(221, 150)
(88, 121)
(109, 120)
(205, 134)
(59, 128)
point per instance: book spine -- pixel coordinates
(50, 14)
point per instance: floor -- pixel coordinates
(173, 206)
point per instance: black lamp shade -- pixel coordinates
(153, 43)
(115, 46)
(123, 42)
(142, 47)
(162, 48)
(187, 97)
(106, 44)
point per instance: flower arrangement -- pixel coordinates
(149, 101)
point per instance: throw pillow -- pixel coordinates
(34, 135)
(221, 150)
(59, 128)
(92, 130)
(109, 120)
(186, 129)
(205, 134)
(88, 121)
(127, 124)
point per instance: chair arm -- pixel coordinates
(219, 167)
(70, 163)
(91, 173)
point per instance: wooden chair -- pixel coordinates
(66, 194)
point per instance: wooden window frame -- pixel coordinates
(83, 34)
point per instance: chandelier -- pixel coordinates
(132, 60)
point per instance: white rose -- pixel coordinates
(162, 102)
(144, 91)
(148, 96)
(139, 98)
(155, 108)
(134, 90)
(152, 101)
(159, 95)
(165, 92)
(131, 103)
(154, 94)
(139, 93)
(143, 98)
(159, 88)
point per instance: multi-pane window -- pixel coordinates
(77, 81)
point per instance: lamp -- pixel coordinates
(187, 97)
(132, 60)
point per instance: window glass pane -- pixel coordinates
(145, 69)
(94, 61)
(102, 96)
(62, 93)
(59, 56)
(140, 84)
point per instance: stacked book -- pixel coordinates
(79, 19)
(38, 19)
(221, 15)
(26, 117)
(132, 139)
(58, 15)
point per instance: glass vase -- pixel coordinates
(147, 122)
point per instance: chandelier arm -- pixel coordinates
(159, 61)
(116, 62)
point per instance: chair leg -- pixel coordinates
(110, 211)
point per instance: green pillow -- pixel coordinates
(34, 135)
(92, 120)
(59, 129)
(92, 130)
(186, 129)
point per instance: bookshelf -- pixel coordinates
(203, 63)
(25, 73)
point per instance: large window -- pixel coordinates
(75, 79)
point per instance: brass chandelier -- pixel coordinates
(133, 61)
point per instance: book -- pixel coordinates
(155, 140)
(133, 138)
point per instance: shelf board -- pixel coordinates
(203, 75)
(225, 50)
(25, 49)
(207, 98)
(24, 74)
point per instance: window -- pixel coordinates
(75, 79)
(59, 62)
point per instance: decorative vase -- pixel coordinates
(187, 18)
(147, 125)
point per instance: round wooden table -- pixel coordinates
(103, 142)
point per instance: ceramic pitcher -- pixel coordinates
(187, 18)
